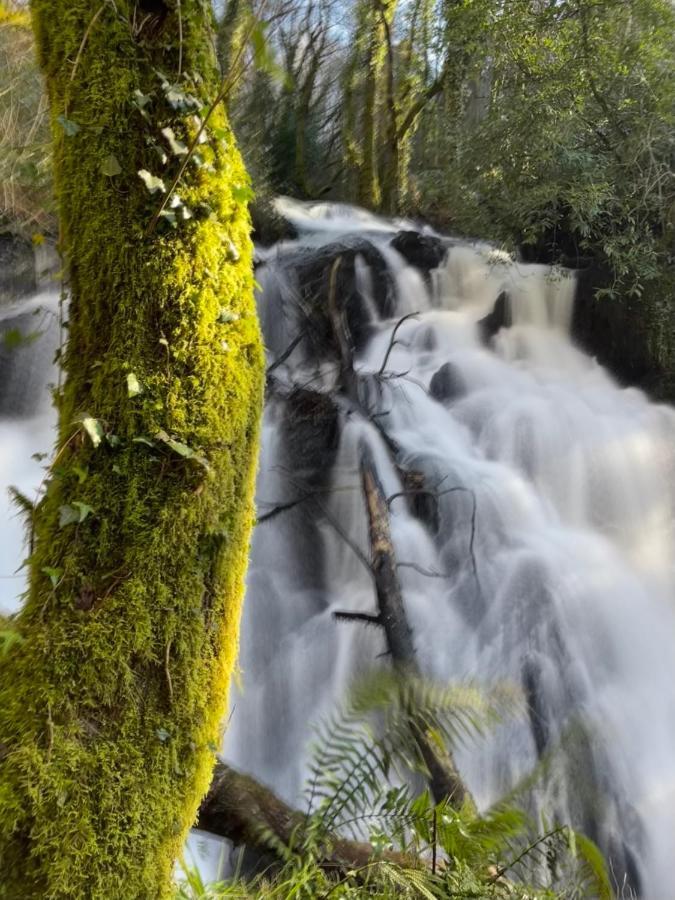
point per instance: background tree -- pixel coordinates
(113, 685)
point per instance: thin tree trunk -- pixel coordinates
(444, 780)
(111, 698)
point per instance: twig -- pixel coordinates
(393, 341)
(169, 683)
(368, 618)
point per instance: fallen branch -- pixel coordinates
(444, 780)
(239, 808)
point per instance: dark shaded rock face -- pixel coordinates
(499, 318)
(634, 337)
(446, 384)
(424, 251)
(17, 268)
(268, 226)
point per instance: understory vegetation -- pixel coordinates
(367, 786)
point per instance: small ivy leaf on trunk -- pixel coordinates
(54, 574)
(181, 449)
(178, 148)
(68, 515)
(74, 513)
(94, 429)
(83, 509)
(152, 182)
(110, 166)
(232, 252)
(225, 316)
(133, 385)
(70, 128)
(243, 193)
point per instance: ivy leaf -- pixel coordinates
(140, 101)
(81, 472)
(83, 509)
(53, 574)
(74, 513)
(178, 148)
(243, 193)
(68, 515)
(70, 128)
(94, 429)
(163, 735)
(232, 252)
(110, 166)
(133, 385)
(181, 449)
(152, 182)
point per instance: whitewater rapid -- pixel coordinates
(551, 569)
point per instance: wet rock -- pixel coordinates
(268, 225)
(424, 251)
(315, 270)
(447, 384)
(17, 268)
(499, 318)
(634, 337)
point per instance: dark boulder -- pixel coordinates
(322, 280)
(423, 251)
(447, 384)
(634, 337)
(269, 226)
(499, 318)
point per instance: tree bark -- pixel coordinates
(111, 698)
(444, 780)
(239, 808)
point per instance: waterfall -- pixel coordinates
(551, 568)
(542, 558)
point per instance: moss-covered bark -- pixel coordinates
(110, 705)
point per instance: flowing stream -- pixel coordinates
(541, 558)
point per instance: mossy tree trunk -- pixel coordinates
(112, 697)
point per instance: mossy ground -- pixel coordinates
(110, 706)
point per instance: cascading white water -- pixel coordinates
(550, 568)
(553, 566)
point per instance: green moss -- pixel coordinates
(110, 707)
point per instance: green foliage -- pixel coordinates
(25, 177)
(364, 763)
(561, 132)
